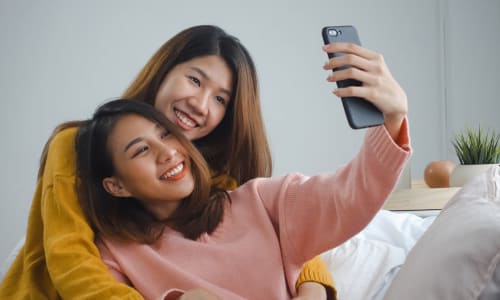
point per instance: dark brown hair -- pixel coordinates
(238, 146)
(127, 219)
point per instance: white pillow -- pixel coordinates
(363, 266)
(359, 267)
(458, 256)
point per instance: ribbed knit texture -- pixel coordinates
(314, 270)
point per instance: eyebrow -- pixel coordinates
(205, 75)
(132, 142)
(158, 127)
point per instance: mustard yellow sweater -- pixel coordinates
(59, 259)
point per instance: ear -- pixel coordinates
(113, 186)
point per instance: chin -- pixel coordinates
(188, 190)
(190, 135)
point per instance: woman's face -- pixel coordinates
(150, 165)
(195, 95)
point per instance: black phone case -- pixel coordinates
(359, 112)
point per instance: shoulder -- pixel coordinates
(269, 188)
(274, 182)
(64, 140)
(61, 153)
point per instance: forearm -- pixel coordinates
(393, 125)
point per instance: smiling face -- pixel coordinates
(195, 95)
(150, 165)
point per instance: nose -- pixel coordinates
(166, 153)
(199, 104)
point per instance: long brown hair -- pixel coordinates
(127, 219)
(238, 146)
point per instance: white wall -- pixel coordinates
(59, 59)
(472, 66)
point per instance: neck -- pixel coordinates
(162, 211)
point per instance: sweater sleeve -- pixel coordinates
(72, 257)
(339, 205)
(314, 214)
(315, 270)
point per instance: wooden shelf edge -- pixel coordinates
(419, 198)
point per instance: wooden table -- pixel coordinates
(419, 198)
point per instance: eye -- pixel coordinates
(195, 80)
(221, 100)
(140, 150)
(164, 134)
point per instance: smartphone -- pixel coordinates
(360, 113)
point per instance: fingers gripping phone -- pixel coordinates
(360, 113)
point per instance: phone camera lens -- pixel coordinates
(333, 32)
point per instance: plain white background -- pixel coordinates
(60, 59)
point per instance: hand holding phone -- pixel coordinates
(360, 113)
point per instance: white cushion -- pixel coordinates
(458, 256)
(363, 266)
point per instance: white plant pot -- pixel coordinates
(463, 173)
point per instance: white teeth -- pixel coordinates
(184, 119)
(173, 172)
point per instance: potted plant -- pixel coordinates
(476, 150)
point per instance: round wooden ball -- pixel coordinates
(437, 173)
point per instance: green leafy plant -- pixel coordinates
(475, 147)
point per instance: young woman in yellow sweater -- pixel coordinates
(205, 82)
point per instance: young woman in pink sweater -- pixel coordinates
(205, 81)
(164, 229)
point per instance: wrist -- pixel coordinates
(393, 124)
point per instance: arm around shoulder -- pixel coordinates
(73, 260)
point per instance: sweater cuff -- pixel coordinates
(315, 270)
(403, 139)
(388, 151)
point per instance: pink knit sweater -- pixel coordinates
(269, 230)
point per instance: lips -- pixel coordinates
(174, 173)
(184, 120)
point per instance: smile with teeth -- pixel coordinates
(184, 119)
(174, 173)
